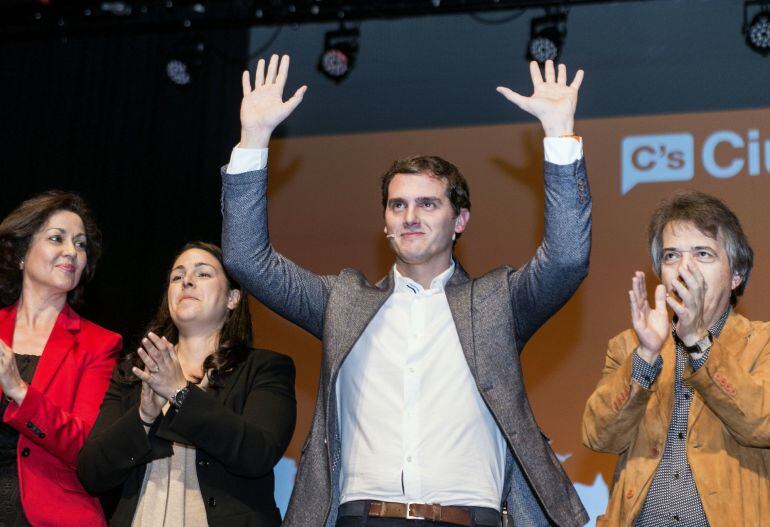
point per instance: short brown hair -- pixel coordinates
(18, 228)
(711, 217)
(457, 188)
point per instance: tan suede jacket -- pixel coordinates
(728, 441)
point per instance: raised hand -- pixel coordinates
(11, 383)
(553, 101)
(690, 286)
(263, 107)
(651, 324)
(162, 372)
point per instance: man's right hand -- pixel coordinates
(263, 107)
(652, 325)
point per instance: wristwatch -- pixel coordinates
(180, 395)
(701, 346)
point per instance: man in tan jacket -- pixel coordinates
(685, 402)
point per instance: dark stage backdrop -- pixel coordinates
(96, 115)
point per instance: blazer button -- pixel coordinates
(25, 452)
(212, 502)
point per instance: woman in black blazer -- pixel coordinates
(194, 422)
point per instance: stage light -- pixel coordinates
(184, 61)
(546, 37)
(757, 32)
(339, 55)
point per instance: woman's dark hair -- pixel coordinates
(18, 228)
(234, 338)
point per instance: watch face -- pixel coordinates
(179, 396)
(704, 343)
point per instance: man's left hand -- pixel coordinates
(690, 286)
(553, 101)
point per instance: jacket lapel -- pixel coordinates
(665, 391)
(732, 339)
(61, 341)
(357, 314)
(7, 323)
(459, 291)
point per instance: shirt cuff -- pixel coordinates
(700, 361)
(247, 160)
(562, 150)
(645, 373)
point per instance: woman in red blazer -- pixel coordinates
(54, 365)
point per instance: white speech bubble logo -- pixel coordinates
(655, 159)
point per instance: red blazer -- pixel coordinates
(60, 408)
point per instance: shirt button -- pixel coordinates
(676, 475)
(25, 452)
(30, 424)
(41, 435)
(409, 459)
(411, 370)
(681, 435)
(676, 517)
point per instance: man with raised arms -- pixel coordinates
(421, 416)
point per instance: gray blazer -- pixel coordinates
(494, 315)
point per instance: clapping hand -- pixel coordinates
(150, 404)
(11, 383)
(651, 324)
(263, 107)
(690, 287)
(553, 101)
(162, 372)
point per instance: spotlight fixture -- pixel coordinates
(757, 32)
(546, 37)
(339, 55)
(184, 62)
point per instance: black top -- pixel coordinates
(11, 512)
(240, 427)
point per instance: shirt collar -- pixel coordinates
(404, 284)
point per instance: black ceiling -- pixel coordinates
(36, 18)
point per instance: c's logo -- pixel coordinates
(656, 158)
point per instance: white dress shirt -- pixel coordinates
(413, 425)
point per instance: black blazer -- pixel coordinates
(240, 431)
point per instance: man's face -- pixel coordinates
(683, 243)
(421, 217)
